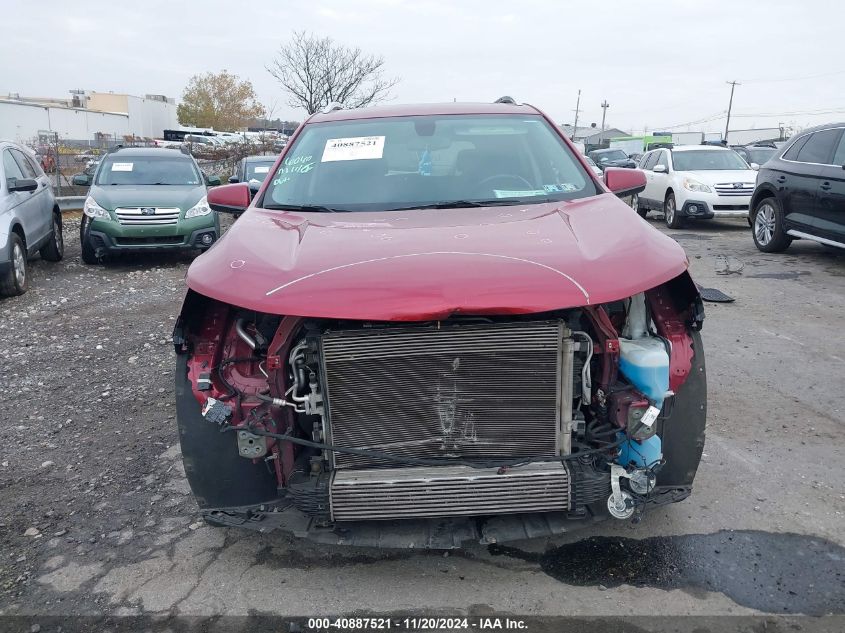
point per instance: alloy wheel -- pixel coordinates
(19, 265)
(670, 210)
(635, 202)
(57, 235)
(764, 224)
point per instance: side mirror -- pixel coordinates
(233, 180)
(624, 182)
(23, 184)
(659, 169)
(81, 180)
(755, 166)
(234, 198)
(212, 181)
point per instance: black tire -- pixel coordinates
(635, 205)
(89, 255)
(767, 227)
(670, 212)
(54, 250)
(16, 279)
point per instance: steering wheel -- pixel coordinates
(512, 177)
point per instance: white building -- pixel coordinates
(88, 116)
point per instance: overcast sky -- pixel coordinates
(660, 64)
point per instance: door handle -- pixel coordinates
(781, 179)
(825, 186)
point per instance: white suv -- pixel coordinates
(695, 181)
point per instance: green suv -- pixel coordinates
(144, 199)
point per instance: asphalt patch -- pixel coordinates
(776, 573)
(789, 275)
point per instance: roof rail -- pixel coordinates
(331, 107)
(505, 99)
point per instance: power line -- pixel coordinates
(780, 79)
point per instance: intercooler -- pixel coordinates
(471, 391)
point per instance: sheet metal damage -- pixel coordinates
(428, 433)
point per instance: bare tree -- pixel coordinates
(316, 71)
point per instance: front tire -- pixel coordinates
(635, 205)
(89, 254)
(768, 228)
(670, 212)
(16, 279)
(54, 250)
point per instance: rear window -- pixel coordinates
(176, 169)
(407, 162)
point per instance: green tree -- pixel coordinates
(218, 100)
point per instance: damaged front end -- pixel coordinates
(432, 433)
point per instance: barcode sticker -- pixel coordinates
(650, 416)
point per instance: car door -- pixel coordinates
(798, 176)
(661, 179)
(40, 201)
(646, 163)
(22, 204)
(829, 216)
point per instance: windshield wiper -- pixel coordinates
(456, 204)
(302, 208)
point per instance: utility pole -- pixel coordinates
(733, 84)
(577, 108)
(604, 106)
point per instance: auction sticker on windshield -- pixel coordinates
(353, 148)
(262, 169)
(122, 166)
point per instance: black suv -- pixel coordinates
(611, 157)
(800, 192)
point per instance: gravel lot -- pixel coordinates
(95, 514)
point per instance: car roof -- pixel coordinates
(147, 151)
(422, 109)
(696, 148)
(260, 159)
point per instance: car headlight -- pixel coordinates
(200, 208)
(94, 210)
(694, 185)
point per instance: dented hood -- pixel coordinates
(430, 264)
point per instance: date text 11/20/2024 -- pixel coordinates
(416, 624)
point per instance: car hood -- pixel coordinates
(430, 264)
(713, 177)
(113, 196)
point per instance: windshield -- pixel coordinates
(409, 162)
(614, 154)
(258, 170)
(148, 170)
(760, 155)
(707, 160)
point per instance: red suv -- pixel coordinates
(434, 323)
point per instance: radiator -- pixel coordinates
(456, 391)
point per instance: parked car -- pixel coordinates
(86, 176)
(755, 155)
(596, 169)
(30, 219)
(252, 170)
(611, 158)
(441, 300)
(698, 182)
(800, 192)
(147, 199)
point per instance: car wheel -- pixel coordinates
(635, 205)
(768, 230)
(89, 255)
(54, 250)
(14, 282)
(670, 212)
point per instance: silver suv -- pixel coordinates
(30, 220)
